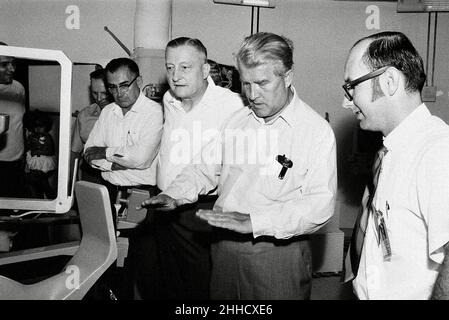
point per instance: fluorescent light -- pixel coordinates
(258, 3)
(253, 3)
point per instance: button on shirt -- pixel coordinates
(12, 102)
(132, 140)
(412, 194)
(186, 133)
(246, 171)
(84, 123)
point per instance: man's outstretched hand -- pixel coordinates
(234, 221)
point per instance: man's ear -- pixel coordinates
(288, 78)
(206, 70)
(139, 81)
(393, 80)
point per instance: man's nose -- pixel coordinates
(252, 92)
(175, 74)
(11, 67)
(346, 103)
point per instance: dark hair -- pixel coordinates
(36, 118)
(2, 43)
(185, 41)
(118, 63)
(99, 74)
(264, 47)
(396, 50)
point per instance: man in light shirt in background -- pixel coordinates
(173, 254)
(275, 170)
(85, 121)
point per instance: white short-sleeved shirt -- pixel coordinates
(132, 141)
(413, 195)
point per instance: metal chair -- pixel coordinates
(96, 252)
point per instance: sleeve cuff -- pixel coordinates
(110, 153)
(261, 224)
(102, 164)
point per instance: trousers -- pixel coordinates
(171, 254)
(264, 268)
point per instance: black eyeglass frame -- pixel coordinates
(352, 84)
(123, 87)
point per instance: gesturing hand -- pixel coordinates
(160, 202)
(234, 221)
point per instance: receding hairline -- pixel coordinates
(200, 53)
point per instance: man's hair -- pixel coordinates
(185, 41)
(396, 50)
(264, 47)
(116, 64)
(37, 118)
(98, 74)
(2, 43)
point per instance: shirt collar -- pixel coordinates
(287, 115)
(96, 110)
(136, 107)
(407, 128)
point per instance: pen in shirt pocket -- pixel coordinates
(129, 138)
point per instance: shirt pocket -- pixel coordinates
(291, 186)
(132, 137)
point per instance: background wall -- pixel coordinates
(73, 26)
(322, 31)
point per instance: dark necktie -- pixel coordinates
(358, 234)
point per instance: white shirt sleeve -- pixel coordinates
(433, 191)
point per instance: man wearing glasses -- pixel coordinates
(124, 141)
(12, 102)
(404, 222)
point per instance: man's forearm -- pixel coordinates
(441, 288)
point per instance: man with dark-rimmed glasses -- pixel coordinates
(124, 141)
(402, 233)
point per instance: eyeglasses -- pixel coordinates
(352, 84)
(122, 87)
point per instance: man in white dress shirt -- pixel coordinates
(176, 247)
(275, 171)
(125, 139)
(407, 227)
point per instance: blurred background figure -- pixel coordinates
(85, 121)
(40, 155)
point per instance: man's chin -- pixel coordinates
(7, 81)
